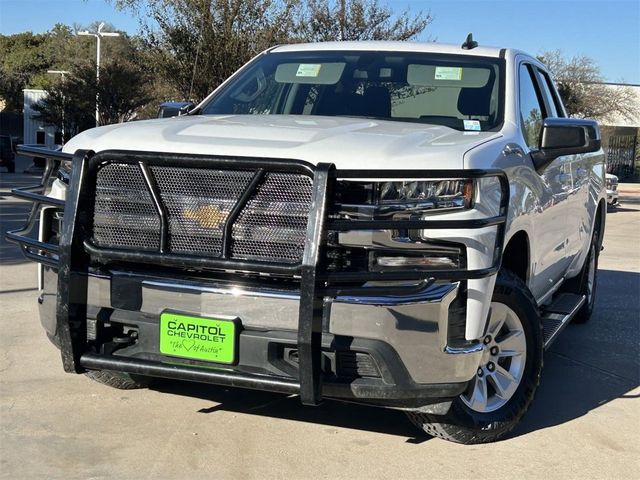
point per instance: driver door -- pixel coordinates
(551, 226)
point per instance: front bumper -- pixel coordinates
(388, 350)
(295, 336)
(612, 196)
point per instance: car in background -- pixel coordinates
(7, 155)
(174, 109)
(612, 190)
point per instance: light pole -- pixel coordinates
(62, 73)
(98, 34)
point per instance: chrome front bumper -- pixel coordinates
(413, 326)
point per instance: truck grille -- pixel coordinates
(271, 226)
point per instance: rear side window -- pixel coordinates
(531, 112)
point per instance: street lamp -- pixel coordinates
(62, 73)
(98, 34)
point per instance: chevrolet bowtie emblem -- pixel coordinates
(208, 216)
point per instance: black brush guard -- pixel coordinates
(75, 251)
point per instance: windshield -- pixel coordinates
(457, 91)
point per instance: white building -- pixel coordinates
(35, 132)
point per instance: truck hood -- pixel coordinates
(349, 143)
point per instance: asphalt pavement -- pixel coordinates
(584, 423)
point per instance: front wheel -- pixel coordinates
(507, 377)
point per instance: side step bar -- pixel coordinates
(558, 314)
(182, 372)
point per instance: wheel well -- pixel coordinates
(516, 255)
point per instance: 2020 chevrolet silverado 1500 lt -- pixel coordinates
(399, 224)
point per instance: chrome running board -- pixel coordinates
(558, 314)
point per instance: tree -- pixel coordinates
(580, 85)
(326, 20)
(196, 44)
(122, 92)
(22, 57)
(26, 57)
(69, 104)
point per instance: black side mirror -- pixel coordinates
(565, 136)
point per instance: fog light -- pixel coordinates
(433, 262)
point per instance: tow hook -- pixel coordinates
(120, 342)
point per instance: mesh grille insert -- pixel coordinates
(124, 215)
(274, 222)
(271, 227)
(198, 202)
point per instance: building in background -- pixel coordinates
(620, 137)
(34, 131)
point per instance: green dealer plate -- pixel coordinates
(198, 338)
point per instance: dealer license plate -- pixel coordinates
(198, 338)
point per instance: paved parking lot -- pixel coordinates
(585, 422)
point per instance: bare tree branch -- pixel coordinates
(580, 84)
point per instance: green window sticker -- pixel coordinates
(208, 339)
(308, 70)
(448, 73)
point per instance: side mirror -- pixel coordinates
(565, 136)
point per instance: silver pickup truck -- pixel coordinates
(406, 225)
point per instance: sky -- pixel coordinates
(606, 30)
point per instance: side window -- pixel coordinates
(552, 94)
(531, 112)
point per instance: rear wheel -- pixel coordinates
(119, 380)
(508, 374)
(587, 281)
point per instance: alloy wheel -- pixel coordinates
(502, 365)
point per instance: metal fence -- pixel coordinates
(621, 155)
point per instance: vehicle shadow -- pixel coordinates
(595, 363)
(579, 376)
(330, 413)
(620, 209)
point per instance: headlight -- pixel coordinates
(427, 194)
(377, 200)
(403, 199)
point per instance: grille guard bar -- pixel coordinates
(32, 249)
(75, 251)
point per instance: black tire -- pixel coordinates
(119, 380)
(580, 284)
(464, 425)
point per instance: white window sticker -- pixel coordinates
(448, 73)
(472, 125)
(308, 70)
